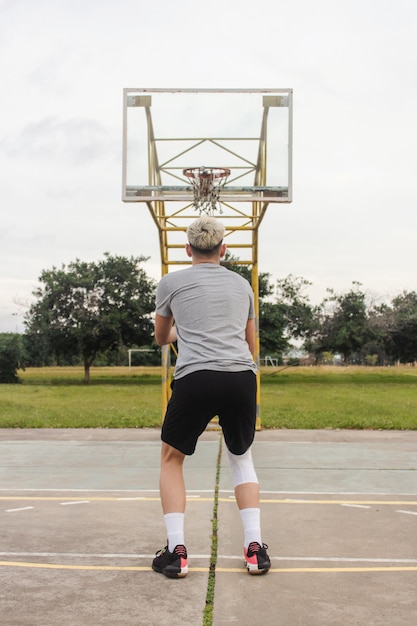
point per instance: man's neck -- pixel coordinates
(199, 260)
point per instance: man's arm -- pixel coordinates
(165, 332)
(250, 335)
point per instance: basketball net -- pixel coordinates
(207, 183)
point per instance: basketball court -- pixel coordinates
(80, 513)
(81, 521)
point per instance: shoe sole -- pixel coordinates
(256, 571)
(171, 572)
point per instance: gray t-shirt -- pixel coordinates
(211, 306)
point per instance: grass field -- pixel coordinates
(311, 397)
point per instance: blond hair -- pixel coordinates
(205, 233)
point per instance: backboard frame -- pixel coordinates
(154, 189)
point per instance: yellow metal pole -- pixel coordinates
(157, 210)
(166, 366)
(256, 356)
(166, 350)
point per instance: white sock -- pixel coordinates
(251, 520)
(174, 523)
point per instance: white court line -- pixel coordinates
(322, 559)
(357, 506)
(22, 508)
(78, 502)
(331, 559)
(132, 498)
(225, 491)
(407, 512)
(329, 493)
(65, 490)
(79, 555)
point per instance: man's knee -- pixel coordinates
(171, 455)
(242, 468)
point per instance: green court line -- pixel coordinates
(211, 583)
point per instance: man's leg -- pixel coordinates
(172, 492)
(247, 495)
(172, 561)
(247, 498)
(171, 480)
(246, 487)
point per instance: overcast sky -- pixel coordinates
(351, 63)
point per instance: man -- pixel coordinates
(209, 311)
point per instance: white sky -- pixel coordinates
(352, 65)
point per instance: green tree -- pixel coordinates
(291, 316)
(300, 317)
(86, 308)
(397, 325)
(272, 329)
(343, 324)
(11, 357)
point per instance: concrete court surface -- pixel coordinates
(80, 521)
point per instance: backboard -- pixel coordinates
(248, 131)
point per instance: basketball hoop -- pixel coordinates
(207, 183)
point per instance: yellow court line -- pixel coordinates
(227, 570)
(125, 568)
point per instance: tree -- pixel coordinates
(86, 308)
(300, 317)
(343, 323)
(290, 317)
(272, 329)
(397, 325)
(11, 357)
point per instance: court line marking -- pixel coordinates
(324, 570)
(368, 494)
(204, 499)
(345, 502)
(339, 494)
(75, 499)
(120, 491)
(407, 512)
(228, 570)
(299, 559)
(22, 508)
(356, 506)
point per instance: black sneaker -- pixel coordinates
(256, 558)
(172, 564)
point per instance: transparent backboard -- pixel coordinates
(248, 131)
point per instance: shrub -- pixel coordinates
(11, 357)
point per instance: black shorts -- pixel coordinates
(200, 396)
